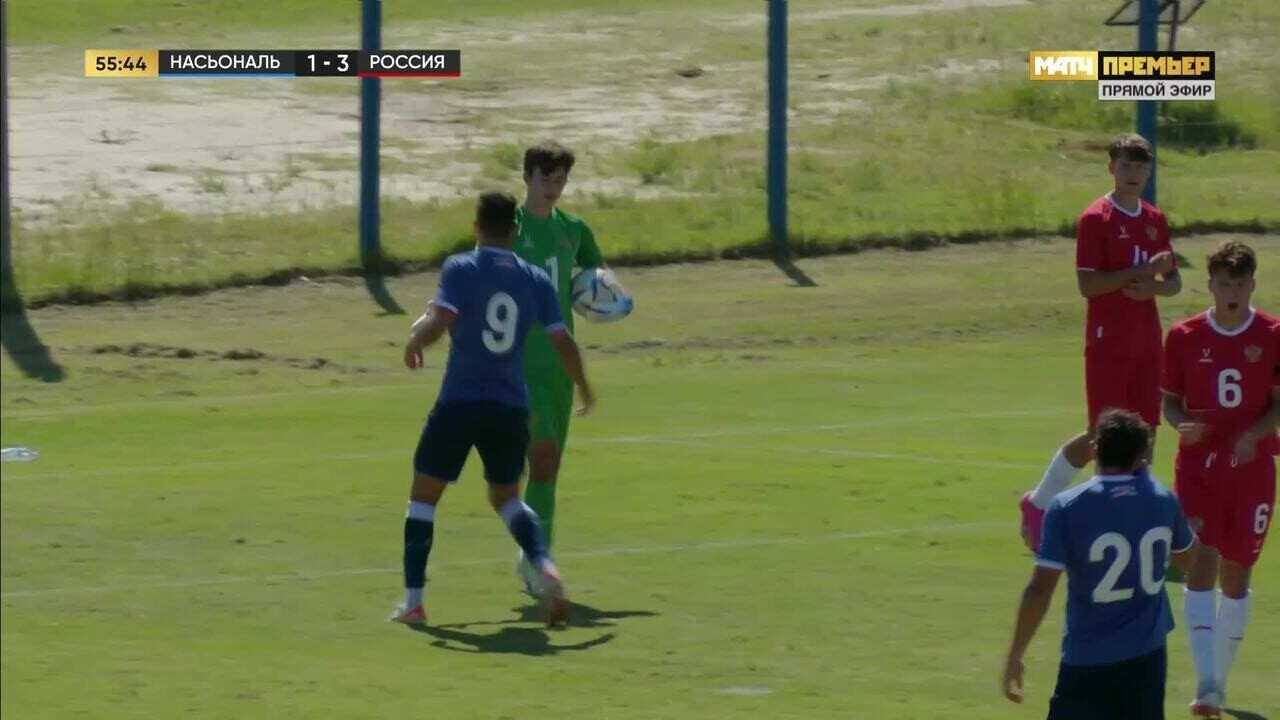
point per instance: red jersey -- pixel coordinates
(1225, 377)
(1109, 238)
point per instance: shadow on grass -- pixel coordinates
(19, 338)
(1242, 714)
(782, 259)
(513, 637)
(376, 284)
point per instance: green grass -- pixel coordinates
(893, 138)
(888, 188)
(77, 21)
(808, 491)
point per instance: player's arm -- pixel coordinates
(1172, 387)
(589, 255)
(1036, 599)
(438, 318)
(1169, 284)
(1051, 560)
(566, 347)
(1174, 408)
(1098, 282)
(1091, 255)
(1266, 425)
(571, 357)
(426, 330)
(1268, 422)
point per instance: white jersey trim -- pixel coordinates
(1213, 323)
(1116, 205)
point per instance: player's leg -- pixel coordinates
(1140, 694)
(1193, 487)
(437, 461)
(1081, 693)
(1248, 515)
(502, 448)
(1233, 615)
(550, 407)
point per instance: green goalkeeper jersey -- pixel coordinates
(556, 244)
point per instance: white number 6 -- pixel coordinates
(1229, 394)
(1260, 520)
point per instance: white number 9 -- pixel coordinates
(501, 313)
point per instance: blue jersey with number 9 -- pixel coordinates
(1113, 536)
(497, 297)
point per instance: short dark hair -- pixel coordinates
(496, 213)
(1131, 146)
(1122, 439)
(1236, 258)
(548, 157)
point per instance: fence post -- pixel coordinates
(370, 98)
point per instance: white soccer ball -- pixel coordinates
(599, 297)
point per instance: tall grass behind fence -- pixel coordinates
(908, 126)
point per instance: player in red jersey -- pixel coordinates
(1222, 392)
(1123, 262)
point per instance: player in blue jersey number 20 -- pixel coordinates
(1114, 536)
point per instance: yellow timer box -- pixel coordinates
(121, 63)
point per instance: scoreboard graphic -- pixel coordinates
(273, 63)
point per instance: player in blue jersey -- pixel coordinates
(1114, 536)
(487, 301)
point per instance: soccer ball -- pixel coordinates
(599, 297)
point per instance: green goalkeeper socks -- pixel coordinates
(541, 498)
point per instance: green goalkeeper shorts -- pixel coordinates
(550, 407)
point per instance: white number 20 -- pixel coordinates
(500, 314)
(1150, 577)
(1229, 392)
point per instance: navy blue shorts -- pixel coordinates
(500, 433)
(1127, 690)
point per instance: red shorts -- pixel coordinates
(1123, 383)
(1233, 504)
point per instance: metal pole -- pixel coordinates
(6, 254)
(1149, 41)
(1173, 26)
(370, 98)
(777, 150)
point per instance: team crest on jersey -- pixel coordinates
(1124, 232)
(1252, 353)
(1151, 233)
(564, 241)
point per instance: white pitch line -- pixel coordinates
(210, 400)
(671, 438)
(734, 544)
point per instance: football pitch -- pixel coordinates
(797, 498)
